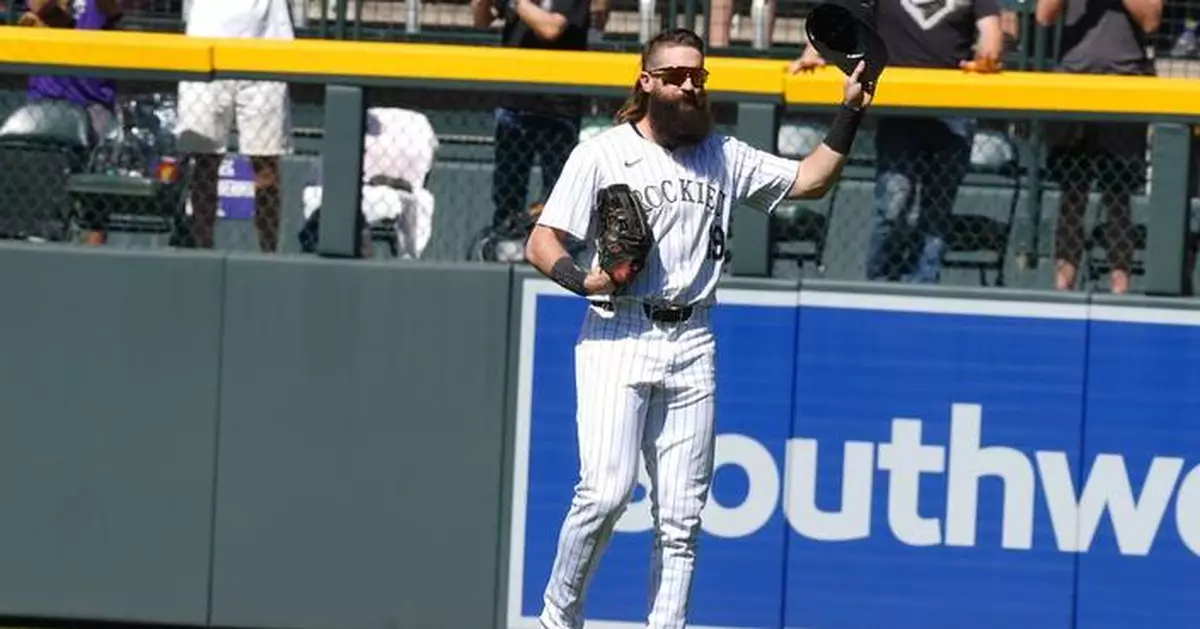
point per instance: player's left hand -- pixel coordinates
(858, 95)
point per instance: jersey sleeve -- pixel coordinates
(569, 206)
(764, 179)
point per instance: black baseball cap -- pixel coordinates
(843, 32)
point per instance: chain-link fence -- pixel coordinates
(236, 166)
(193, 164)
(452, 175)
(496, 158)
(1032, 204)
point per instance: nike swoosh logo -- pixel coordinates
(632, 162)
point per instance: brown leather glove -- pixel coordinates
(625, 236)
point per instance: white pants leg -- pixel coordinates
(678, 450)
(644, 390)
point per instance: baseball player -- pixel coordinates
(652, 196)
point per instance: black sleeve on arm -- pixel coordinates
(568, 275)
(845, 126)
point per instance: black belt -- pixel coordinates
(661, 314)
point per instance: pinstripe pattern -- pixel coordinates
(646, 389)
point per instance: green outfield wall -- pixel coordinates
(291, 442)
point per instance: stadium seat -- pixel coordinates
(45, 142)
(800, 229)
(134, 178)
(978, 241)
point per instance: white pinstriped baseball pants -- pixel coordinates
(645, 391)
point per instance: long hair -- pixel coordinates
(637, 103)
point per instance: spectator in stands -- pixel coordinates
(95, 95)
(1010, 26)
(599, 10)
(932, 153)
(1099, 37)
(261, 109)
(529, 125)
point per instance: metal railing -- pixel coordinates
(758, 15)
(771, 28)
(647, 24)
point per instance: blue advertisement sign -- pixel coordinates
(1139, 515)
(920, 506)
(901, 462)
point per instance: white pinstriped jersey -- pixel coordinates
(688, 195)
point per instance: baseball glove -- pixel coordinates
(624, 237)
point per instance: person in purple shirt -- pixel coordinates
(95, 94)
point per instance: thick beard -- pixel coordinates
(682, 122)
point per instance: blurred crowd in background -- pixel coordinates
(219, 147)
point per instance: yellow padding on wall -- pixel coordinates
(104, 49)
(1015, 91)
(475, 63)
(357, 61)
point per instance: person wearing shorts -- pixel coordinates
(259, 110)
(1113, 155)
(1098, 37)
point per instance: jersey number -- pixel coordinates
(716, 242)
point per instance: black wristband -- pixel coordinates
(845, 125)
(568, 275)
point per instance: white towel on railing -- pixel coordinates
(399, 143)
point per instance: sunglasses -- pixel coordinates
(677, 75)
